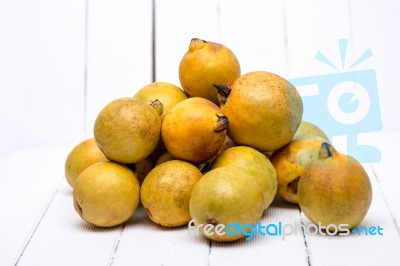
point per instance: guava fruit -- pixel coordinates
(334, 190)
(165, 192)
(159, 150)
(290, 162)
(194, 130)
(161, 95)
(255, 163)
(106, 194)
(165, 157)
(127, 130)
(141, 168)
(223, 196)
(264, 110)
(204, 64)
(308, 128)
(81, 157)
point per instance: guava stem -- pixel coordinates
(222, 123)
(223, 92)
(196, 43)
(293, 185)
(326, 150)
(158, 106)
(198, 40)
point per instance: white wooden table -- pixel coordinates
(62, 61)
(39, 225)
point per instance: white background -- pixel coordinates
(62, 61)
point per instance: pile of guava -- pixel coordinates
(216, 150)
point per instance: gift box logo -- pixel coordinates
(344, 103)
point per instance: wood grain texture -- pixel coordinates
(28, 181)
(177, 22)
(48, 231)
(62, 61)
(41, 73)
(145, 243)
(266, 250)
(372, 27)
(312, 26)
(255, 31)
(119, 60)
(63, 238)
(385, 172)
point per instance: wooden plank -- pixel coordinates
(364, 33)
(119, 52)
(314, 26)
(145, 243)
(41, 72)
(66, 238)
(177, 22)
(348, 250)
(321, 53)
(28, 180)
(268, 249)
(385, 171)
(255, 31)
(63, 238)
(373, 26)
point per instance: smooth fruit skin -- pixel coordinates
(192, 132)
(291, 161)
(207, 63)
(165, 192)
(255, 163)
(81, 157)
(166, 93)
(127, 130)
(106, 194)
(308, 128)
(226, 195)
(335, 190)
(264, 111)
